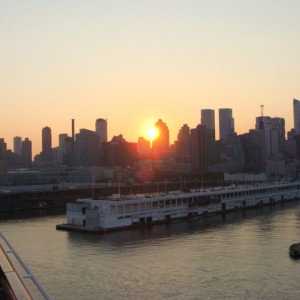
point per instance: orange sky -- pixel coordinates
(134, 62)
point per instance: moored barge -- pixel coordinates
(118, 212)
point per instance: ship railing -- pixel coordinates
(25, 276)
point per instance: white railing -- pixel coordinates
(9, 252)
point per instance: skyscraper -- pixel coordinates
(183, 144)
(201, 148)
(26, 152)
(226, 122)
(160, 145)
(296, 106)
(62, 140)
(46, 144)
(18, 145)
(143, 148)
(208, 120)
(119, 152)
(273, 136)
(3, 148)
(101, 130)
(87, 148)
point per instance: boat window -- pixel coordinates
(127, 207)
(135, 207)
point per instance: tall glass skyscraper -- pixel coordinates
(226, 122)
(208, 120)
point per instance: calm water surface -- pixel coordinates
(240, 256)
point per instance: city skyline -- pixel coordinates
(210, 118)
(134, 62)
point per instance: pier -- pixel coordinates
(30, 197)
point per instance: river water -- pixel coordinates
(242, 255)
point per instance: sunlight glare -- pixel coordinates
(152, 133)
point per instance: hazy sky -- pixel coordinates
(133, 62)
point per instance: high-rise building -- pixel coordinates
(71, 144)
(119, 152)
(278, 125)
(183, 144)
(3, 148)
(18, 145)
(252, 149)
(46, 144)
(201, 148)
(62, 139)
(101, 130)
(208, 118)
(65, 149)
(143, 148)
(273, 136)
(296, 107)
(27, 153)
(87, 148)
(226, 123)
(160, 145)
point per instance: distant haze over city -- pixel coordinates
(134, 62)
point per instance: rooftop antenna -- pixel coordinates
(262, 110)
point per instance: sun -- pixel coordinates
(148, 130)
(152, 133)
